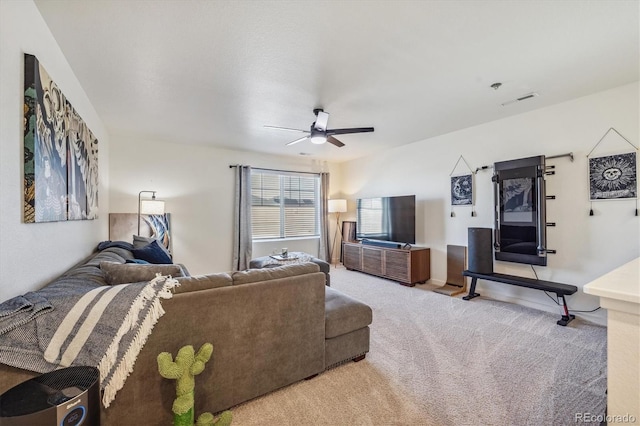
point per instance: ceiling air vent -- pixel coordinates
(521, 98)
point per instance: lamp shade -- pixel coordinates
(337, 206)
(151, 207)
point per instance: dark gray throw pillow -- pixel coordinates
(124, 273)
(140, 241)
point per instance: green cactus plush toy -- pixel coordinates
(183, 370)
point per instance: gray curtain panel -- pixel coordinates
(323, 251)
(242, 239)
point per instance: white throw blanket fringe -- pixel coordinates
(125, 366)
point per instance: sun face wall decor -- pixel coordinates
(60, 153)
(613, 177)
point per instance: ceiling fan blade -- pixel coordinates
(351, 130)
(322, 120)
(287, 128)
(298, 140)
(335, 141)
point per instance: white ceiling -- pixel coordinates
(214, 72)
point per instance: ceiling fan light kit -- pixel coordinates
(318, 139)
(318, 132)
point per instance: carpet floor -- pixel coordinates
(439, 360)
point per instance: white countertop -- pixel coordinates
(621, 284)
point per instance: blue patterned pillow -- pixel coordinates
(152, 253)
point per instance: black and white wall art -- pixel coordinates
(462, 190)
(613, 177)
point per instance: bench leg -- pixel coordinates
(567, 317)
(472, 290)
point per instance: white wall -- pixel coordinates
(32, 254)
(587, 246)
(197, 186)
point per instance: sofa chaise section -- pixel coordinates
(346, 328)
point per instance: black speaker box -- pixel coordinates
(348, 234)
(348, 231)
(66, 397)
(480, 252)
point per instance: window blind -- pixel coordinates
(284, 205)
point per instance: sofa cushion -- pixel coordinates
(154, 252)
(344, 314)
(85, 273)
(111, 254)
(256, 275)
(202, 282)
(124, 273)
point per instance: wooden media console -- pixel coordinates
(407, 266)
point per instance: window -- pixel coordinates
(284, 205)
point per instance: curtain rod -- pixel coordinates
(231, 166)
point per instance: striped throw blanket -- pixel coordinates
(75, 322)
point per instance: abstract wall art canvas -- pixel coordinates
(60, 153)
(462, 190)
(613, 177)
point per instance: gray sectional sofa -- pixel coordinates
(269, 328)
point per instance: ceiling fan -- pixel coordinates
(319, 134)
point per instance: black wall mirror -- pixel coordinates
(520, 216)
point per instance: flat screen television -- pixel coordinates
(387, 219)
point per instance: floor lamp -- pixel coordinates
(151, 206)
(336, 206)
